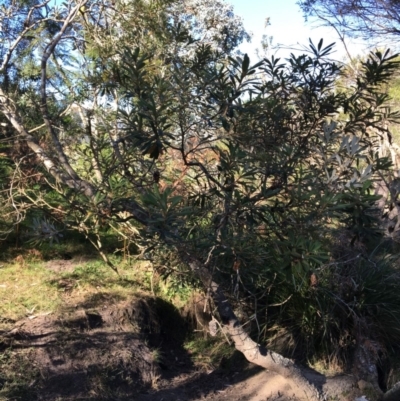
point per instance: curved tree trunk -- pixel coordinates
(254, 353)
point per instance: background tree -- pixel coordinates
(373, 20)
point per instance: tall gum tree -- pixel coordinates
(376, 21)
(144, 119)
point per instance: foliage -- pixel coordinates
(343, 304)
(211, 353)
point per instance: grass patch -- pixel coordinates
(209, 353)
(94, 279)
(68, 290)
(30, 286)
(73, 246)
(29, 289)
(25, 290)
(72, 290)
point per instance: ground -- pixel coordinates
(96, 343)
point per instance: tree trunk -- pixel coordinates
(393, 394)
(254, 353)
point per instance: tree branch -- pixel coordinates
(43, 93)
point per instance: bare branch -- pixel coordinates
(11, 49)
(43, 106)
(72, 182)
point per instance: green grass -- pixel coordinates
(34, 289)
(209, 353)
(26, 290)
(30, 286)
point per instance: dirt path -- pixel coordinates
(251, 385)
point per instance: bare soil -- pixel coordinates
(107, 349)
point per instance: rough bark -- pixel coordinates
(365, 363)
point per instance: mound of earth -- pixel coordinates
(130, 350)
(85, 351)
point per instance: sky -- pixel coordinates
(287, 27)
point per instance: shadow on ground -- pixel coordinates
(100, 349)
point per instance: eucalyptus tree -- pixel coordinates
(373, 20)
(140, 119)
